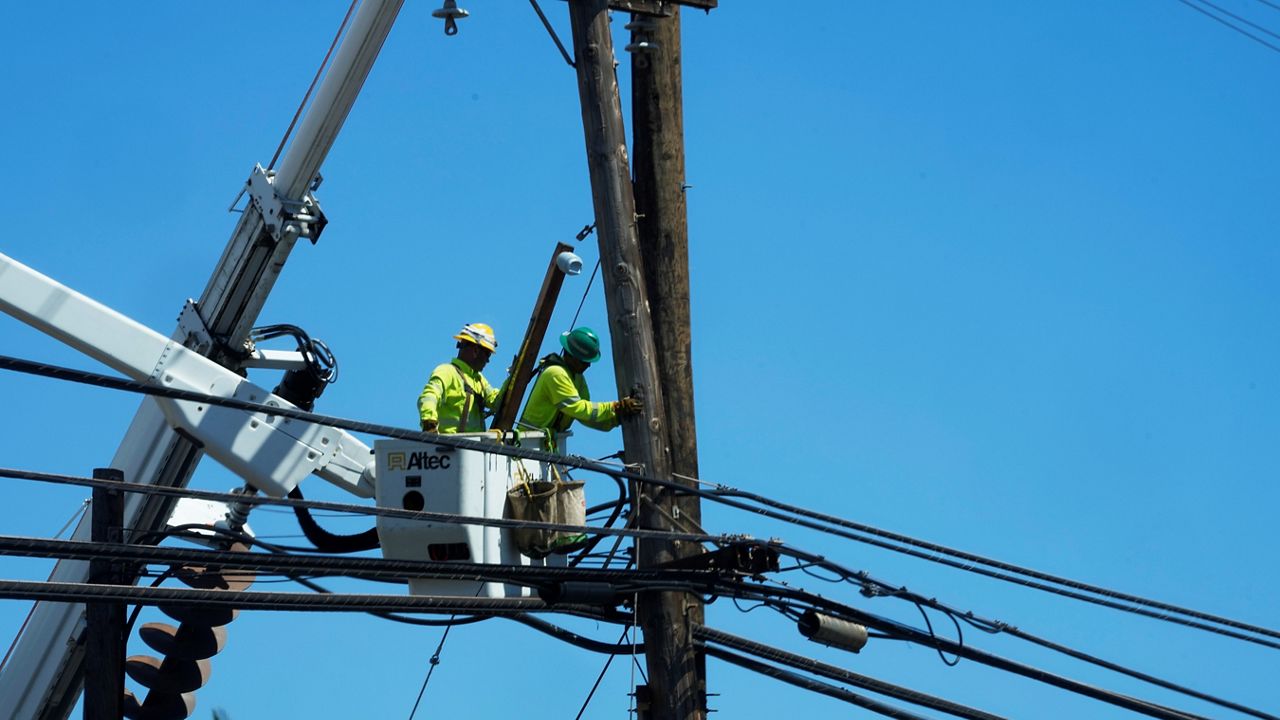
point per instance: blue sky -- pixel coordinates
(999, 275)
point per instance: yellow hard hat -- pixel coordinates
(478, 333)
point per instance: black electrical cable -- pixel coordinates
(920, 637)
(622, 500)
(1229, 24)
(431, 667)
(812, 685)
(1009, 630)
(1270, 4)
(273, 601)
(973, 558)
(1232, 15)
(831, 672)
(583, 301)
(607, 662)
(577, 640)
(874, 588)
(722, 496)
(133, 616)
(358, 567)
(358, 509)
(306, 582)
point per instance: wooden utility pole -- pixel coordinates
(657, 128)
(104, 620)
(669, 646)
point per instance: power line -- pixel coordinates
(877, 588)
(363, 509)
(920, 637)
(359, 567)
(974, 558)
(432, 662)
(723, 495)
(1228, 23)
(841, 675)
(808, 684)
(1246, 21)
(258, 600)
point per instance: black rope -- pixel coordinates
(314, 80)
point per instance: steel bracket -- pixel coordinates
(284, 217)
(743, 559)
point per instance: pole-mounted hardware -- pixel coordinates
(832, 631)
(451, 14)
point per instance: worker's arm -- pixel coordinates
(595, 415)
(493, 396)
(429, 398)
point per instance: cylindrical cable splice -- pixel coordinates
(579, 593)
(832, 631)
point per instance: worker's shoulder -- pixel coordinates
(557, 372)
(446, 370)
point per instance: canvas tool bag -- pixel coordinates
(559, 502)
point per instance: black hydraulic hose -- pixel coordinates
(613, 517)
(328, 542)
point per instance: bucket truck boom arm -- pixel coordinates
(44, 674)
(273, 454)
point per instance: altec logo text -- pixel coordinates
(417, 461)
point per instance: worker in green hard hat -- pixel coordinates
(560, 394)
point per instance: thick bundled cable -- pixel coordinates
(792, 514)
(250, 600)
(426, 515)
(813, 685)
(877, 588)
(357, 567)
(831, 672)
(901, 631)
(775, 509)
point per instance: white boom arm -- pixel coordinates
(271, 453)
(43, 676)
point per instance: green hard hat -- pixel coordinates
(582, 343)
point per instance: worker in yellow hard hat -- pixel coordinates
(560, 394)
(456, 396)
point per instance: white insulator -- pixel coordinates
(569, 263)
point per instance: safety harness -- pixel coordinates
(471, 394)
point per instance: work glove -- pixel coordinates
(429, 426)
(628, 406)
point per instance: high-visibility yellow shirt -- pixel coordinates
(456, 397)
(560, 397)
